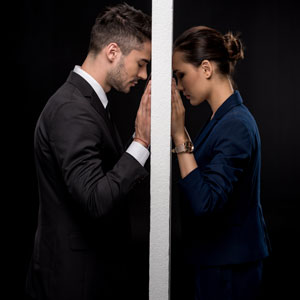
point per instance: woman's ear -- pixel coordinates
(206, 68)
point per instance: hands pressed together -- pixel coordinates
(143, 118)
(177, 117)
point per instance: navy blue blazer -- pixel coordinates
(224, 223)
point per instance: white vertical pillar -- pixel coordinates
(162, 38)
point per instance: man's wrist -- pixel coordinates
(141, 141)
(139, 152)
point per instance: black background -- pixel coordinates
(45, 39)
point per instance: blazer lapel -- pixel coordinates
(204, 133)
(234, 100)
(89, 93)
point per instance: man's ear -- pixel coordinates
(112, 51)
(206, 68)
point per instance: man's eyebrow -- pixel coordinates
(175, 71)
(145, 60)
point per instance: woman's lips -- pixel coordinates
(186, 96)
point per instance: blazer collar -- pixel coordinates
(93, 83)
(87, 91)
(232, 101)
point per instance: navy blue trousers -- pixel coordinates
(231, 282)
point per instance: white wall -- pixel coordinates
(162, 33)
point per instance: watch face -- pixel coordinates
(189, 146)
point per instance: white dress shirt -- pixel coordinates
(137, 150)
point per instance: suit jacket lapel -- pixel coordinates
(89, 93)
(119, 142)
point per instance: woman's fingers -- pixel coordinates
(177, 104)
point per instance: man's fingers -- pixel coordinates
(147, 92)
(145, 105)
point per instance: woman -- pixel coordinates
(225, 235)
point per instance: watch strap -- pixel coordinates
(186, 147)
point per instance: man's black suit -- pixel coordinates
(84, 175)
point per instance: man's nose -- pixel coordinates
(143, 74)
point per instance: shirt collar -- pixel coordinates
(94, 84)
(233, 100)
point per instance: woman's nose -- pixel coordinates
(179, 85)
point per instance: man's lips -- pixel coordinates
(133, 82)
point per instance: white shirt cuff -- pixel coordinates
(139, 152)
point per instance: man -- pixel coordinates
(84, 173)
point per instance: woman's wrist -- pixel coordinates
(180, 139)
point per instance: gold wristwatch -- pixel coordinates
(186, 147)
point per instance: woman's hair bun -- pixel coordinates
(234, 46)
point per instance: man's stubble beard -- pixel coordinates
(117, 77)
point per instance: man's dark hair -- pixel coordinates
(121, 24)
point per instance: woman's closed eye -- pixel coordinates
(180, 75)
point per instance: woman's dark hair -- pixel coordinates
(200, 43)
(122, 24)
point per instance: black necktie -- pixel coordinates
(108, 111)
(112, 127)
